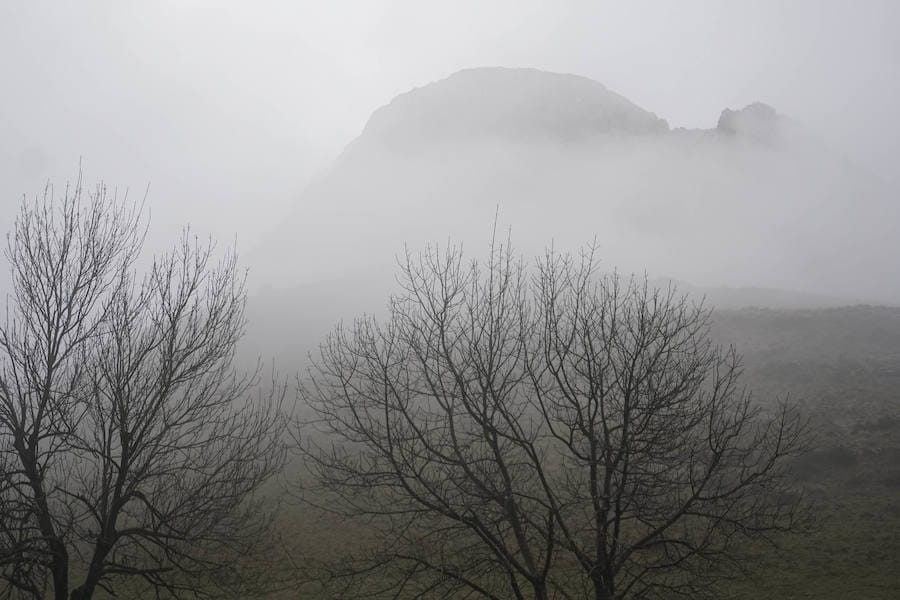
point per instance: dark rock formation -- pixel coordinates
(757, 121)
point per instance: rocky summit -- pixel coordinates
(512, 104)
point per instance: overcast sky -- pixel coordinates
(226, 107)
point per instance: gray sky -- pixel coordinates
(226, 107)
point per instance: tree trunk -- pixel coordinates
(86, 590)
(60, 570)
(59, 566)
(603, 587)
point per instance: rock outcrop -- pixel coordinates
(756, 121)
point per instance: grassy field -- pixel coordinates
(843, 366)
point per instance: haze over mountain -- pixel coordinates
(506, 104)
(562, 159)
(743, 151)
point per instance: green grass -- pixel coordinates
(843, 365)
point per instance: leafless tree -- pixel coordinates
(557, 435)
(129, 447)
(666, 464)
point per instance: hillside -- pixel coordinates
(561, 158)
(842, 365)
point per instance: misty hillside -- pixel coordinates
(841, 366)
(401, 299)
(509, 104)
(286, 324)
(562, 159)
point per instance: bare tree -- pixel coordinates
(429, 411)
(666, 464)
(562, 435)
(130, 448)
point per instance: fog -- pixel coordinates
(228, 110)
(185, 431)
(560, 159)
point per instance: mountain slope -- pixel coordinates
(753, 202)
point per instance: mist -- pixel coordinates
(226, 110)
(325, 413)
(269, 126)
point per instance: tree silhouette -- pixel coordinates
(542, 433)
(129, 447)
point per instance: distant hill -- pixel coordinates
(752, 202)
(511, 104)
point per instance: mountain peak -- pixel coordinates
(507, 103)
